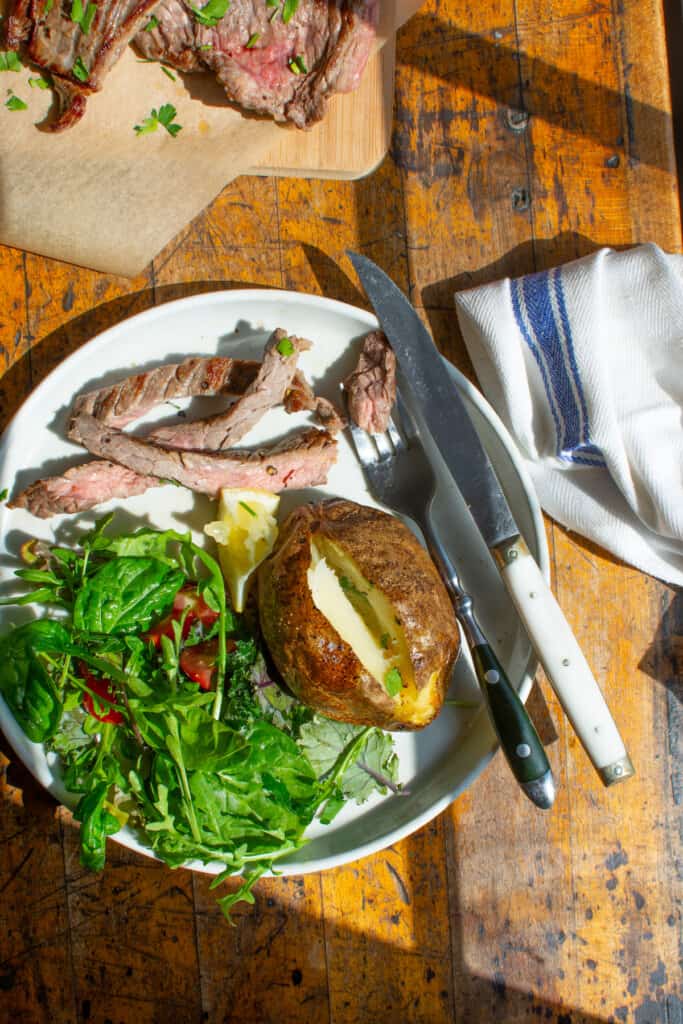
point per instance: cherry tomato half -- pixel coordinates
(103, 688)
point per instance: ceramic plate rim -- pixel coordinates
(266, 295)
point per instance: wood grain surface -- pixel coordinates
(526, 132)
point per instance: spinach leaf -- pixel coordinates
(26, 683)
(125, 595)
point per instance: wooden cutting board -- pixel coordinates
(354, 137)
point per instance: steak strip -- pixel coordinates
(127, 400)
(301, 460)
(371, 388)
(268, 389)
(81, 488)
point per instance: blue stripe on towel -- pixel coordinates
(539, 307)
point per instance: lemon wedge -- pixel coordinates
(245, 532)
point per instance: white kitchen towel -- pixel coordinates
(584, 364)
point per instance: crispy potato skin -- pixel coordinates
(318, 666)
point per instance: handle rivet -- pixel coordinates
(565, 661)
(618, 770)
(491, 676)
(523, 750)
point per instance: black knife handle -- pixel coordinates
(518, 738)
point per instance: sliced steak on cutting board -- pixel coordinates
(284, 70)
(78, 60)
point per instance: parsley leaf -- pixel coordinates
(393, 681)
(210, 14)
(80, 71)
(14, 103)
(164, 117)
(285, 347)
(297, 65)
(83, 16)
(9, 61)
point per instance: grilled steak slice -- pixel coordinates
(301, 397)
(78, 60)
(131, 398)
(301, 460)
(82, 488)
(267, 390)
(289, 70)
(371, 388)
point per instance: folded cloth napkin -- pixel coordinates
(584, 364)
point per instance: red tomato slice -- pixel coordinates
(103, 688)
(197, 611)
(199, 662)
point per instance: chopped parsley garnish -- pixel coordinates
(349, 588)
(206, 46)
(14, 103)
(3, 494)
(272, 3)
(210, 14)
(297, 65)
(9, 61)
(393, 681)
(384, 641)
(49, 5)
(164, 117)
(252, 41)
(83, 16)
(80, 71)
(152, 24)
(169, 73)
(248, 508)
(285, 347)
(289, 10)
(39, 83)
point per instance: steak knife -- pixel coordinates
(449, 423)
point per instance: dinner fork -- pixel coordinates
(400, 475)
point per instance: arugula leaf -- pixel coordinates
(125, 595)
(9, 61)
(25, 682)
(323, 741)
(210, 14)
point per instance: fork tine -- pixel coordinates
(363, 443)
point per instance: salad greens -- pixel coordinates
(156, 699)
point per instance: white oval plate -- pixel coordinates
(437, 763)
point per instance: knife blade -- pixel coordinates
(449, 423)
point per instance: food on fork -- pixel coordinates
(356, 617)
(371, 388)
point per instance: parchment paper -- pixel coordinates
(99, 195)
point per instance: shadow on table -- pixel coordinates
(282, 962)
(513, 78)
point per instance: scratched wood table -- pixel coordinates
(526, 133)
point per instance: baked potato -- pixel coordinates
(356, 617)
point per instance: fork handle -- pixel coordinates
(516, 733)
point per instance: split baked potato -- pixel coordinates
(356, 617)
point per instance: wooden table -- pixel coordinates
(526, 133)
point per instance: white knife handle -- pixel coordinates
(563, 660)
